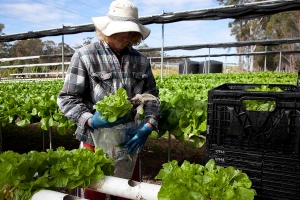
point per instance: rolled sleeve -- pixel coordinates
(152, 108)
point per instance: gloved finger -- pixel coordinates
(141, 147)
(129, 143)
(121, 120)
(132, 144)
(132, 132)
(108, 125)
(133, 148)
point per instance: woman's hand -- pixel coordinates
(97, 122)
(138, 138)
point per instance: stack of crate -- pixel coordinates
(263, 144)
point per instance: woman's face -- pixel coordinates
(119, 41)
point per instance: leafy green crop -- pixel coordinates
(183, 117)
(194, 181)
(114, 106)
(261, 105)
(23, 175)
(33, 101)
(264, 88)
(181, 114)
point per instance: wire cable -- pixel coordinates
(61, 8)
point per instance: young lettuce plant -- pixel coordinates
(194, 181)
(22, 175)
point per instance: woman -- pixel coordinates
(100, 68)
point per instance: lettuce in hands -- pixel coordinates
(114, 106)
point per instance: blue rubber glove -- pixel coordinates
(138, 138)
(97, 121)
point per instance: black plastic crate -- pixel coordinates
(231, 125)
(264, 144)
(274, 190)
(249, 163)
(281, 177)
(261, 197)
(238, 158)
(273, 177)
(289, 165)
(275, 194)
(226, 152)
(281, 186)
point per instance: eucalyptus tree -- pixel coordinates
(286, 25)
(149, 53)
(86, 41)
(4, 46)
(1, 28)
(246, 30)
(29, 47)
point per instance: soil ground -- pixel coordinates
(156, 152)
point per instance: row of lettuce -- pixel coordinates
(22, 175)
(183, 101)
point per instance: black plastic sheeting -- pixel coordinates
(225, 45)
(243, 11)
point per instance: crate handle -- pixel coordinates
(261, 104)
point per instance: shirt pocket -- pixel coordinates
(138, 81)
(139, 75)
(102, 84)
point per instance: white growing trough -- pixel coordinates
(109, 185)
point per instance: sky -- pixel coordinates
(21, 16)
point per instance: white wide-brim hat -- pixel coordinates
(121, 17)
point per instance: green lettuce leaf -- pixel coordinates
(114, 106)
(194, 181)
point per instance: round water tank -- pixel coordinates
(214, 66)
(191, 68)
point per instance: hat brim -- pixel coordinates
(109, 27)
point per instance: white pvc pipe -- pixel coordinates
(126, 188)
(18, 58)
(53, 195)
(109, 185)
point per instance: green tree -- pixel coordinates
(1, 28)
(4, 46)
(30, 47)
(87, 41)
(149, 54)
(277, 26)
(285, 25)
(251, 29)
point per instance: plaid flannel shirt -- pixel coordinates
(95, 72)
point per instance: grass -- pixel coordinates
(169, 71)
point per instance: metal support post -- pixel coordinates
(265, 64)
(280, 54)
(162, 51)
(62, 57)
(50, 137)
(208, 67)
